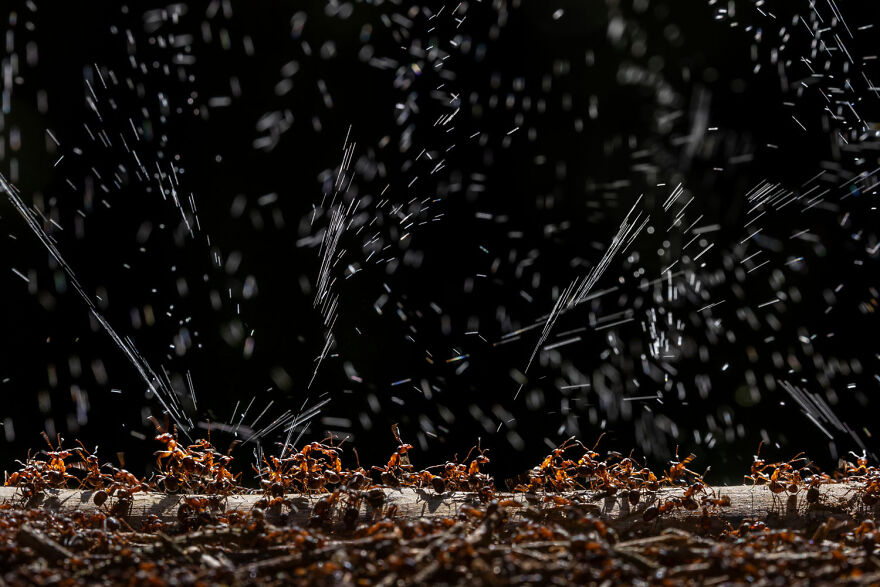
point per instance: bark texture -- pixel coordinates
(759, 504)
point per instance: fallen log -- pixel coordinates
(747, 503)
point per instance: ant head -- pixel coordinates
(860, 459)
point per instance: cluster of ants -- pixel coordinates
(37, 475)
(800, 473)
(199, 469)
(867, 477)
(789, 476)
(317, 468)
(615, 475)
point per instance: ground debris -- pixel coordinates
(481, 546)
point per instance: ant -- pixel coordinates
(678, 470)
(666, 506)
(476, 479)
(94, 477)
(322, 509)
(396, 471)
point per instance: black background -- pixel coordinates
(47, 330)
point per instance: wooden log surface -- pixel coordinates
(753, 503)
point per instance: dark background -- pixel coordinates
(507, 223)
